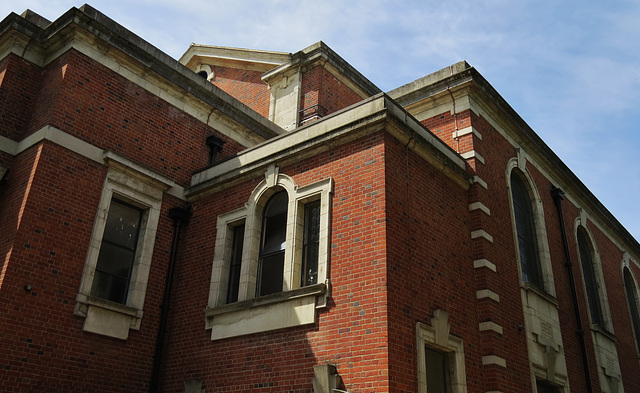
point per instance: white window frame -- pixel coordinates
(303, 299)
(437, 337)
(544, 256)
(581, 222)
(131, 184)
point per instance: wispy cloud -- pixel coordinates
(570, 69)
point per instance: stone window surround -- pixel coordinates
(294, 305)
(127, 182)
(519, 163)
(581, 222)
(625, 266)
(437, 336)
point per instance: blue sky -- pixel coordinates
(571, 69)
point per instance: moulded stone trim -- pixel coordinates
(472, 154)
(479, 263)
(482, 234)
(490, 360)
(490, 326)
(487, 294)
(479, 206)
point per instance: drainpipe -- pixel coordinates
(180, 217)
(557, 195)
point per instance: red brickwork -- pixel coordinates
(323, 94)
(44, 345)
(244, 85)
(350, 333)
(92, 103)
(19, 81)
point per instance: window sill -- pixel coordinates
(529, 287)
(271, 312)
(107, 318)
(604, 332)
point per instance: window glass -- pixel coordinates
(545, 387)
(274, 232)
(631, 292)
(311, 243)
(437, 371)
(526, 231)
(117, 252)
(236, 264)
(586, 260)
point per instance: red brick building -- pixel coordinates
(245, 220)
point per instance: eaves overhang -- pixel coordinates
(366, 117)
(117, 37)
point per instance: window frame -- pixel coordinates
(437, 337)
(142, 189)
(634, 309)
(596, 269)
(519, 165)
(251, 215)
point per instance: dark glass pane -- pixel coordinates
(545, 387)
(526, 231)
(271, 270)
(117, 252)
(277, 204)
(589, 279)
(311, 243)
(436, 363)
(630, 289)
(274, 233)
(115, 260)
(110, 287)
(235, 264)
(122, 226)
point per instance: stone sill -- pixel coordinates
(604, 332)
(266, 313)
(316, 289)
(542, 293)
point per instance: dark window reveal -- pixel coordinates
(526, 230)
(632, 299)
(236, 263)
(274, 232)
(117, 252)
(590, 283)
(311, 244)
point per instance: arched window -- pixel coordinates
(632, 298)
(272, 245)
(589, 273)
(526, 231)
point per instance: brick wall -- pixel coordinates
(350, 333)
(244, 85)
(92, 103)
(323, 94)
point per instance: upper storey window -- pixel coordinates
(526, 231)
(631, 291)
(117, 252)
(590, 280)
(272, 248)
(272, 254)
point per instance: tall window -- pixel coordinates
(272, 245)
(526, 232)
(632, 299)
(437, 363)
(235, 263)
(117, 252)
(590, 282)
(311, 243)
